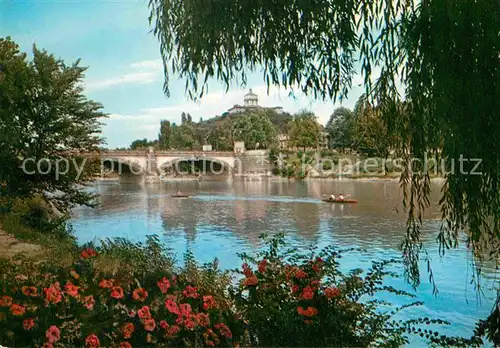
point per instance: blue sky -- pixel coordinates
(125, 72)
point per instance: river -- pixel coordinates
(223, 218)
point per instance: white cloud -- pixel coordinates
(140, 73)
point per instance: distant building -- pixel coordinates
(251, 102)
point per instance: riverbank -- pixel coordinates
(11, 246)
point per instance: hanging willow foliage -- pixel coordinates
(444, 53)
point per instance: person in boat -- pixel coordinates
(332, 197)
(341, 197)
(179, 193)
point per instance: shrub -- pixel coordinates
(281, 297)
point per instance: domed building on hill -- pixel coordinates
(251, 102)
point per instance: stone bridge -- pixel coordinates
(154, 162)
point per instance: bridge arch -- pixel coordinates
(228, 164)
(124, 165)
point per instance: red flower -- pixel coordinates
(295, 288)
(251, 281)
(307, 293)
(30, 291)
(223, 330)
(332, 292)
(189, 324)
(263, 266)
(53, 334)
(315, 284)
(144, 313)
(209, 302)
(106, 283)
(185, 309)
(88, 301)
(17, 310)
(53, 293)
(149, 324)
(127, 330)
(117, 292)
(71, 289)
(5, 301)
(88, 253)
(203, 319)
(140, 294)
(28, 324)
(247, 271)
(172, 307)
(164, 285)
(92, 341)
(132, 313)
(300, 274)
(309, 312)
(191, 292)
(164, 325)
(173, 330)
(125, 345)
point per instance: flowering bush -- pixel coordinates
(80, 306)
(284, 299)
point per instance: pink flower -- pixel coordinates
(223, 330)
(209, 302)
(88, 302)
(28, 324)
(92, 341)
(53, 293)
(163, 284)
(332, 292)
(106, 283)
(203, 319)
(144, 313)
(189, 324)
(71, 289)
(307, 293)
(17, 310)
(117, 292)
(149, 324)
(127, 330)
(164, 325)
(263, 266)
(125, 345)
(140, 294)
(173, 330)
(191, 292)
(53, 334)
(185, 309)
(172, 307)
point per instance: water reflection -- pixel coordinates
(223, 218)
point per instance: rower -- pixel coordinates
(341, 196)
(332, 197)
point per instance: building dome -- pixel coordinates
(251, 99)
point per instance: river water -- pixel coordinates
(221, 219)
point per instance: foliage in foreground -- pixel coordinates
(280, 298)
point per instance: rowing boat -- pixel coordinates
(340, 201)
(180, 196)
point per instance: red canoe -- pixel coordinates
(340, 201)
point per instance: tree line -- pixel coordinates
(362, 129)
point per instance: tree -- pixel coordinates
(255, 129)
(164, 136)
(371, 134)
(142, 144)
(45, 120)
(340, 128)
(444, 52)
(183, 137)
(305, 131)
